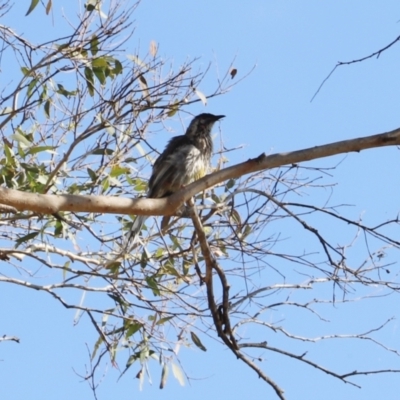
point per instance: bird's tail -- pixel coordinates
(131, 236)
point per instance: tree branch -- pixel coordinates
(50, 204)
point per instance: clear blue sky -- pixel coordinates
(294, 45)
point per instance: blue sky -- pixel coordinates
(294, 45)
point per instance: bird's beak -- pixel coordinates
(217, 117)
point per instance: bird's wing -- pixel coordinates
(170, 171)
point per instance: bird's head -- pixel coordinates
(202, 124)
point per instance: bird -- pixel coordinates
(185, 159)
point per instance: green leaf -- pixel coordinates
(215, 198)
(9, 155)
(100, 74)
(47, 108)
(30, 168)
(118, 67)
(21, 152)
(103, 152)
(230, 184)
(66, 269)
(94, 45)
(96, 347)
(132, 329)
(159, 253)
(131, 360)
(25, 238)
(31, 86)
(105, 184)
(207, 230)
(25, 71)
(113, 351)
(61, 90)
(58, 230)
(186, 267)
(39, 149)
(153, 285)
(144, 259)
(117, 170)
(21, 139)
(100, 62)
(174, 108)
(89, 80)
(43, 95)
(236, 217)
(247, 231)
(197, 341)
(163, 320)
(114, 267)
(92, 174)
(168, 268)
(140, 185)
(34, 3)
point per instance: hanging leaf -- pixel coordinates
(89, 80)
(47, 109)
(103, 152)
(39, 149)
(178, 374)
(197, 341)
(21, 139)
(201, 96)
(143, 86)
(230, 184)
(117, 67)
(96, 346)
(25, 238)
(92, 174)
(174, 109)
(132, 328)
(164, 376)
(48, 7)
(31, 86)
(163, 320)
(153, 48)
(94, 45)
(34, 3)
(100, 74)
(153, 285)
(117, 170)
(25, 71)
(66, 93)
(100, 62)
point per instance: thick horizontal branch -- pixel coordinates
(50, 204)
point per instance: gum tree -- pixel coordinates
(77, 123)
